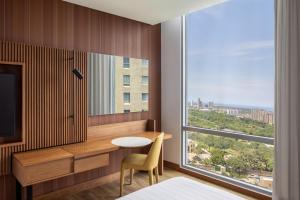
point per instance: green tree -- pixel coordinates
(219, 121)
(217, 157)
(237, 164)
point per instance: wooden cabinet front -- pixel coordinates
(91, 162)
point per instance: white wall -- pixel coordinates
(171, 87)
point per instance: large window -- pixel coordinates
(228, 124)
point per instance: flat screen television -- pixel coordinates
(8, 107)
(10, 103)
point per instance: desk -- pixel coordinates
(51, 163)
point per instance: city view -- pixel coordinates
(247, 161)
(229, 82)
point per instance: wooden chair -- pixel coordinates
(143, 162)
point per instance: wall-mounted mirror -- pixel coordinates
(117, 84)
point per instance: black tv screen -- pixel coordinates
(8, 105)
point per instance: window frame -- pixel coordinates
(145, 94)
(129, 95)
(125, 64)
(145, 63)
(124, 80)
(230, 134)
(142, 80)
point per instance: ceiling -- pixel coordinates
(147, 11)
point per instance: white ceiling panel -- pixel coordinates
(147, 11)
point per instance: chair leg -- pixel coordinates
(131, 175)
(156, 173)
(150, 173)
(121, 180)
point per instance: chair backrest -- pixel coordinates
(153, 155)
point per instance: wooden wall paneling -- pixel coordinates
(65, 30)
(64, 80)
(82, 24)
(2, 19)
(44, 95)
(37, 34)
(95, 33)
(155, 75)
(58, 24)
(56, 90)
(6, 191)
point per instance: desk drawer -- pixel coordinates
(91, 162)
(29, 175)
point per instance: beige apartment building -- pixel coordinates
(131, 84)
(123, 87)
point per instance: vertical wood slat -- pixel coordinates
(48, 82)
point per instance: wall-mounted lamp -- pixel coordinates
(80, 76)
(77, 73)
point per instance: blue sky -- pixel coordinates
(230, 53)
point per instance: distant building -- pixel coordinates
(262, 116)
(232, 111)
(200, 104)
(191, 146)
(265, 181)
(131, 84)
(194, 104)
(210, 104)
(220, 169)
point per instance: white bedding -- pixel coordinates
(180, 188)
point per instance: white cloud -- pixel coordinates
(248, 47)
(242, 49)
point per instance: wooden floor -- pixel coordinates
(110, 191)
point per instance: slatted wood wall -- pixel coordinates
(58, 24)
(48, 97)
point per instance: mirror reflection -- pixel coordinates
(117, 84)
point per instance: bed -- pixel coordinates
(180, 188)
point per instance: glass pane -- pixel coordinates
(126, 80)
(230, 67)
(145, 62)
(126, 62)
(144, 96)
(108, 80)
(252, 121)
(126, 97)
(250, 162)
(145, 80)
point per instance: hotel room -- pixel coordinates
(149, 100)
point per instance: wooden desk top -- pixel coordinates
(97, 146)
(78, 150)
(40, 165)
(41, 156)
(90, 148)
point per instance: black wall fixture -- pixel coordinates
(77, 73)
(79, 76)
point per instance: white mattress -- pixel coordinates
(180, 188)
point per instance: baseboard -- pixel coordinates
(230, 186)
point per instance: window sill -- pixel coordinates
(237, 188)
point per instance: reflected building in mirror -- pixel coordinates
(117, 84)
